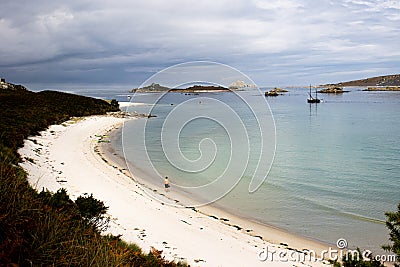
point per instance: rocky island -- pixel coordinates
(333, 90)
(387, 88)
(201, 89)
(275, 92)
(240, 85)
(154, 87)
(157, 88)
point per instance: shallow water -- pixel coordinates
(336, 169)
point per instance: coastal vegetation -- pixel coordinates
(44, 228)
(352, 259)
(393, 224)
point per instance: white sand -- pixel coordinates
(65, 157)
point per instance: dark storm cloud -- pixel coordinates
(127, 41)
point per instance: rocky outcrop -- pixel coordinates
(240, 85)
(275, 92)
(279, 90)
(332, 90)
(271, 93)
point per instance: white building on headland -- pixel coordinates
(3, 84)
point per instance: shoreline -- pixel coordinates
(246, 225)
(71, 157)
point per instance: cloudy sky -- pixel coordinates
(275, 42)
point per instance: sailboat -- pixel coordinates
(311, 99)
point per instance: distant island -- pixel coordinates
(240, 85)
(201, 89)
(382, 81)
(387, 88)
(154, 87)
(157, 88)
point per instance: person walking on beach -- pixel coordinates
(166, 184)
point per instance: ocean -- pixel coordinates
(335, 171)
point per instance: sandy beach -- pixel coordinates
(70, 156)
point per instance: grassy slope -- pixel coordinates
(48, 229)
(387, 80)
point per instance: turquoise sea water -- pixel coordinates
(336, 169)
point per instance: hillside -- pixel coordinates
(387, 80)
(49, 229)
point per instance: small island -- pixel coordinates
(333, 90)
(201, 89)
(152, 88)
(275, 92)
(387, 88)
(157, 88)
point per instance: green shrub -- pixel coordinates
(93, 210)
(114, 103)
(393, 224)
(90, 208)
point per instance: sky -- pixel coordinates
(45, 43)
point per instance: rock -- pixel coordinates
(275, 92)
(332, 90)
(271, 93)
(279, 90)
(239, 85)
